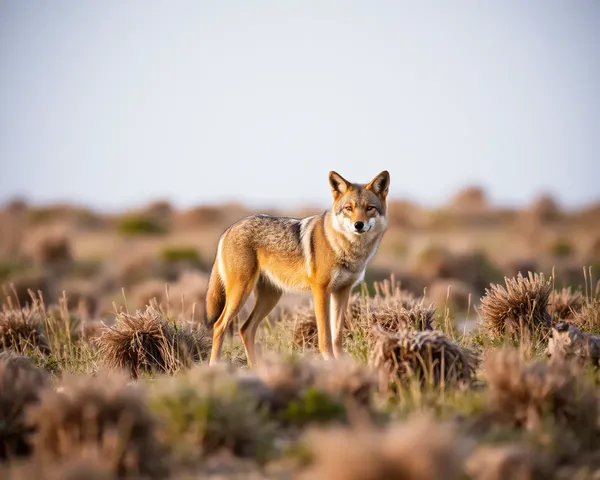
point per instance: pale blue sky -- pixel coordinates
(113, 103)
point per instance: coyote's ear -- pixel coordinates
(380, 184)
(338, 184)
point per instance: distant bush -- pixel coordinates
(562, 248)
(8, 268)
(180, 254)
(140, 225)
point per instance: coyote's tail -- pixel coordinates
(215, 297)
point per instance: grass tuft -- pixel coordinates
(519, 308)
(147, 342)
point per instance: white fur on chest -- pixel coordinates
(342, 277)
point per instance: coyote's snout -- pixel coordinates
(325, 254)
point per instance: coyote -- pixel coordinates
(325, 254)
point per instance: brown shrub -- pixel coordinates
(52, 249)
(499, 462)
(564, 304)
(475, 269)
(588, 317)
(98, 413)
(22, 330)
(288, 379)
(544, 209)
(471, 198)
(205, 409)
(520, 307)
(567, 342)
(20, 385)
(526, 394)
(429, 356)
(418, 449)
(148, 342)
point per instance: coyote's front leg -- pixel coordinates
(322, 301)
(339, 305)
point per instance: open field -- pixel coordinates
(103, 351)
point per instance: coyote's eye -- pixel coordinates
(371, 208)
(348, 208)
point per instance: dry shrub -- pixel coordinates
(394, 309)
(567, 342)
(564, 304)
(205, 409)
(469, 199)
(499, 462)
(429, 356)
(20, 385)
(521, 307)
(148, 342)
(543, 209)
(588, 317)
(475, 269)
(22, 330)
(289, 379)
(418, 449)
(98, 414)
(52, 249)
(528, 394)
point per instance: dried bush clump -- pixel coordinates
(22, 330)
(98, 414)
(52, 249)
(147, 342)
(331, 387)
(564, 304)
(20, 385)
(418, 449)
(346, 379)
(588, 317)
(567, 342)
(521, 307)
(526, 394)
(206, 409)
(429, 356)
(419, 317)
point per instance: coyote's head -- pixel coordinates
(359, 209)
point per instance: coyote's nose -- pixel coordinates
(359, 225)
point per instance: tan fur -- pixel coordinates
(325, 254)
